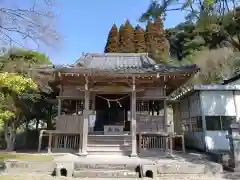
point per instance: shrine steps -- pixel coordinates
(105, 173)
(109, 149)
(109, 144)
(105, 168)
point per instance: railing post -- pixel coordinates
(40, 140)
(139, 141)
(183, 143)
(234, 139)
(50, 143)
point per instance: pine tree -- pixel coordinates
(112, 41)
(158, 23)
(149, 39)
(126, 38)
(161, 42)
(140, 44)
(121, 38)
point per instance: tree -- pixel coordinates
(34, 23)
(112, 41)
(121, 39)
(151, 41)
(216, 65)
(162, 47)
(126, 38)
(13, 88)
(25, 63)
(215, 17)
(139, 38)
(149, 38)
(185, 41)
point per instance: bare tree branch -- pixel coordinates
(28, 24)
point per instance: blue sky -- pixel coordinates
(84, 24)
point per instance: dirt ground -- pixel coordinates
(165, 177)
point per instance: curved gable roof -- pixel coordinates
(113, 61)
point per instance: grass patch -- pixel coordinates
(25, 157)
(27, 177)
(7, 178)
(24, 176)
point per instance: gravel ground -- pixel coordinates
(165, 177)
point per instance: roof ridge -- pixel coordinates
(117, 54)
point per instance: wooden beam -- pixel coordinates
(109, 89)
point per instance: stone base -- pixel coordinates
(82, 153)
(237, 168)
(133, 155)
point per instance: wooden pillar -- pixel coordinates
(133, 121)
(165, 107)
(84, 133)
(165, 116)
(59, 113)
(59, 106)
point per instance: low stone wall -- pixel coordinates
(123, 165)
(189, 168)
(31, 167)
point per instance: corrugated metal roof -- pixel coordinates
(114, 61)
(233, 78)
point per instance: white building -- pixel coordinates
(206, 111)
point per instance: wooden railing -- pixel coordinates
(152, 141)
(70, 123)
(145, 140)
(66, 141)
(59, 139)
(68, 133)
(158, 141)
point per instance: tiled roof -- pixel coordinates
(112, 61)
(126, 62)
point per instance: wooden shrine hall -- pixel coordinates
(114, 103)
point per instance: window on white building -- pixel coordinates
(219, 123)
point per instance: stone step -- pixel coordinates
(104, 144)
(91, 143)
(105, 165)
(108, 136)
(108, 147)
(110, 140)
(105, 173)
(101, 152)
